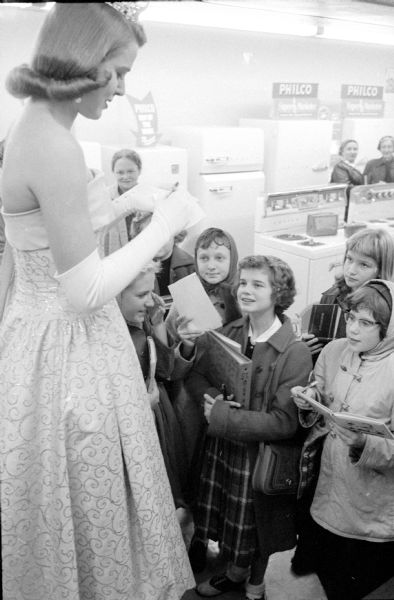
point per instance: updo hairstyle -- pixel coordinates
(73, 41)
(344, 144)
(384, 139)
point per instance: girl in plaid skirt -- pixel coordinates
(249, 525)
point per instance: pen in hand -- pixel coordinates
(173, 189)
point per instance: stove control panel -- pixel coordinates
(372, 203)
(288, 211)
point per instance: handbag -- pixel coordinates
(277, 468)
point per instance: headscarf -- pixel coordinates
(221, 294)
(232, 272)
(386, 346)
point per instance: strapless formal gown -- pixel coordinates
(86, 506)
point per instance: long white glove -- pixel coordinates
(140, 197)
(93, 282)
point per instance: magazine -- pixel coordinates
(356, 423)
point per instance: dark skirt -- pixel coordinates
(225, 507)
(350, 569)
(172, 447)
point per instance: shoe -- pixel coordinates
(219, 584)
(198, 556)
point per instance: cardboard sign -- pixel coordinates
(146, 116)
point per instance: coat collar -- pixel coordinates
(281, 338)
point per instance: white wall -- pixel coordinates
(204, 76)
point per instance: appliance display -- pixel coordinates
(367, 133)
(314, 262)
(297, 152)
(372, 204)
(225, 174)
(282, 232)
(162, 166)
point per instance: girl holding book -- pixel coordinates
(352, 509)
(249, 525)
(369, 253)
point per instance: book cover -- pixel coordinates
(356, 423)
(325, 322)
(228, 366)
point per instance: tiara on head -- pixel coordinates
(130, 10)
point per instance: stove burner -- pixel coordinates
(311, 243)
(290, 237)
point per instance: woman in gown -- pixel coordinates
(86, 506)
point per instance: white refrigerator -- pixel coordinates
(162, 166)
(297, 152)
(225, 174)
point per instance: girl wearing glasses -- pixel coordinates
(369, 253)
(353, 509)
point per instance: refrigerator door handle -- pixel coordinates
(217, 160)
(225, 189)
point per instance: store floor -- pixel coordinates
(281, 584)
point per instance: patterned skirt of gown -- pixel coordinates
(86, 506)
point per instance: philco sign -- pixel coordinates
(362, 100)
(349, 91)
(283, 89)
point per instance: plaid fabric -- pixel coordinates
(225, 511)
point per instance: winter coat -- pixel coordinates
(376, 170)
(277, 366)
(343, 172)
(355, 491)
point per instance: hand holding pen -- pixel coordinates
(308, 390)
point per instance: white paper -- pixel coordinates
(192, 301)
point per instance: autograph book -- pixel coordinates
(228, 366)
(356, 423)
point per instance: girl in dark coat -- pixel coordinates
(249, 525)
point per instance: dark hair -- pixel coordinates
(367, 297)
(126, 153)
(73, 41)
(212, 235)
(344, 144)
(280, 276)
(384, 138)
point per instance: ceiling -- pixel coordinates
(377, 12)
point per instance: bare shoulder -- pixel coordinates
(42, 155)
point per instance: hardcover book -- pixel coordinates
(228, 366)
(326, 322)
(356, 423)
